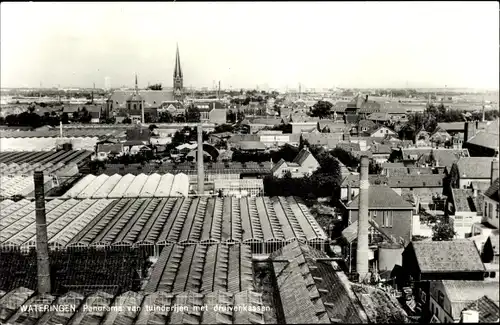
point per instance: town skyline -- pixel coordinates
(108, 41)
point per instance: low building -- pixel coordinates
(304, 164)
(448, 298)
(483, 310)
(105, 149)
(491, 208)
(464, 207)
(387, 209)
(475, 169)
(382, 132)
(425, 262)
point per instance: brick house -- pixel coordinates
(303, 164)
(387, 209)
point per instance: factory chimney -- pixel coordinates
(199, 160)
(494, 170)
(362, 246)
(60, 129)
(42, 249)
(218, 92)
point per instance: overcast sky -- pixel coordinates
(244, 44)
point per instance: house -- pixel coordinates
(382, 132)
(303, 164)
(422, 138)
(331, 126)
(482, 143)
(491, 208)
(448, 298)
(440, 158)
(439, 136)
(301, 124)
(380, 152)
(425, 262)
(381, 117)
(386, 208)
(105, 149)
(475, 169)
(255, 125)
(211, 112)
(365, 126)
(483, 310)
(464, 207)
(278, 140)
(325, 140)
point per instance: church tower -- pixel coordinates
(178, 80)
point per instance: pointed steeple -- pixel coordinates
(177, 70)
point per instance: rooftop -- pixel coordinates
(381, 197)
(487, 308)
(459, 255)
(475, 167)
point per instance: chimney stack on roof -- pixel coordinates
(362, 249)
(470, 131)
(201, 172)
(42, 248)
(494, 170)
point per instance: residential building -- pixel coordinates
(303, 164)
(387, 209)
(482, 143)
(382, 131)
(474, 169)
(464, 207)
(105, 149)
(448, 298)
(425, 262)
(483, 310)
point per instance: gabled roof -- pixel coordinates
(492, 191)
(486, 140)
(462, 293)
(313, 291)
(459, 255)
(382, 127)
(381, 197)
(488, 309)
(278, 165)
(302, 156)
(463, 201)
(115, 147)
(382, 116)
(475, 167)
(350, 233)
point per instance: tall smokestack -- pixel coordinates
(494, 170)
(60, 129)
(42, 248)
(362, 246)
(201, 172)
(218, 92)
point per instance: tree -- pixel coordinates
(231, 116)
(85, 116)
(345, 157)
(224, 128)
(148, 118)
(155, 87)
(165, 117)
(65, 118)
(374, 168)
(193, 115)
(152, 127)
(127, 120)
(240, 116)
(321, 109)
(443, 231)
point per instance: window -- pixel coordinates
(485, 208)
(387, 219)
(490, 210)
(135, 106)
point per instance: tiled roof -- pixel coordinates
(465, 202)
(350, 233)
(487, 308)
(369, 107)
(474, 167)
(381, 149)
(484, 139)
(238, 138)
(459, 255)
(382, 116)
(349, 146)
(416, 181)
(323, 139)
(452, 126)
(379, 305)
(302, 156)
(313, 291)
(339, 107)
(332, 125)
(110, 147)
(445, 157)
(461, 293)
(252, 145)
(403, 171)
(492, 191)
(353, 180)
(304, 119)
(381, 197)
(266, 121)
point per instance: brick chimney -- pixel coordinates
(494, 170)
(201, 172)
(470, 131)
(362, 250)
(42, 248)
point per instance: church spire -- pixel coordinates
(178, 70)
